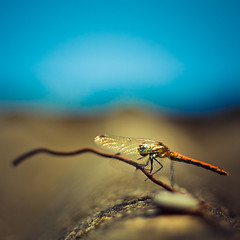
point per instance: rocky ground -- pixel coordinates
(90, 197)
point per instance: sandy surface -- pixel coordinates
(45, 196)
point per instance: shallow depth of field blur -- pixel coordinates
(70, 70)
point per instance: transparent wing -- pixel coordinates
(123, 145)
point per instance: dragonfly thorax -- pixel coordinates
(159, 149)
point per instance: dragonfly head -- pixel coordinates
(143, 149)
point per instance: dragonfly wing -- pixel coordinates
(123, 145)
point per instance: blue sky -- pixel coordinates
(179, 55)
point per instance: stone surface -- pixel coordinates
(47, 197)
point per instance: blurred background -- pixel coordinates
(70, 70)
(87, 55)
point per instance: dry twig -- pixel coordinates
(26, 155)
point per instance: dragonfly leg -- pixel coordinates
(141, 157)
(161, 166)
(151, 160)
(144, 165)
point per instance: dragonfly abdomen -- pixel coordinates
(175, 156)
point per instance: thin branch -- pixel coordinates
(26, 155)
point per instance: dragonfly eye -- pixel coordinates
(142, 150)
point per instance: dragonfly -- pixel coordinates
(151, 149)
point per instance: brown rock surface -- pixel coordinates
(47, 197)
